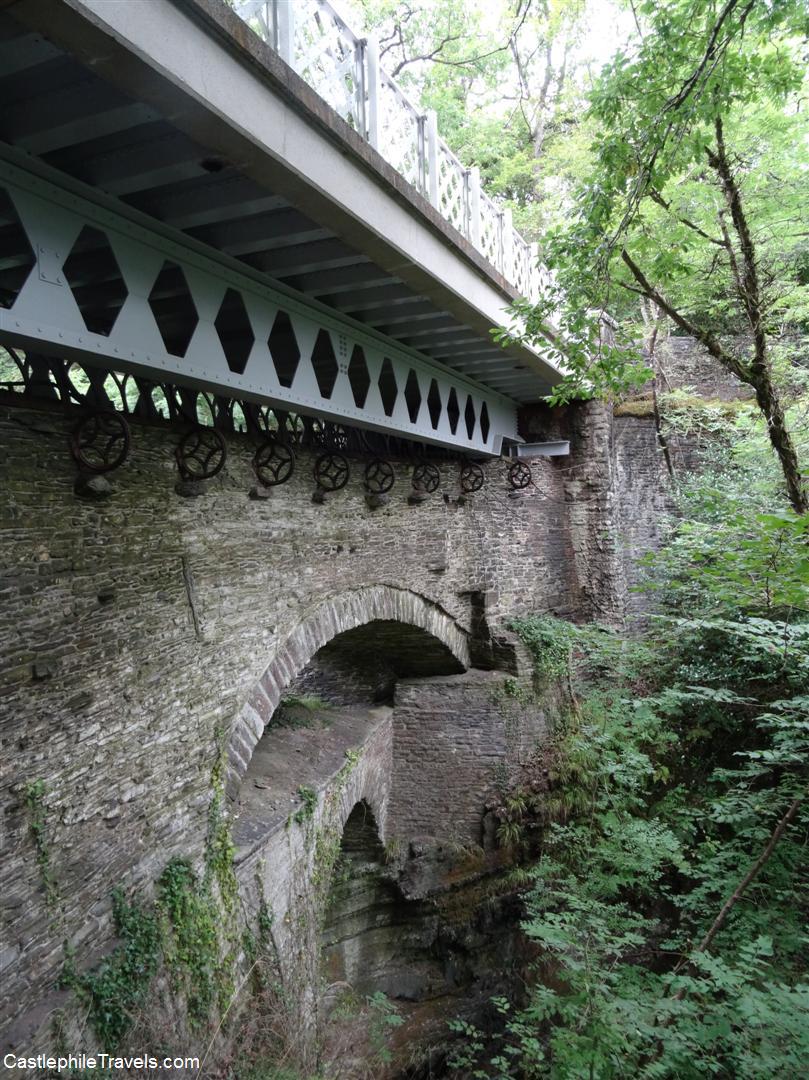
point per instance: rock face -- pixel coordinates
(435, 931)
(366, 916)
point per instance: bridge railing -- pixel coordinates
(344, 69)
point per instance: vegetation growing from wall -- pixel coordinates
(34, 795)
(116, 990)
(192, 948)
(548, 640)
(301, 711)
(190, 929)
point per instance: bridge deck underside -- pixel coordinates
(59, 111)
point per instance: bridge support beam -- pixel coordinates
(85, 278)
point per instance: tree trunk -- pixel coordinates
(781, 440)
(656, 316)
(756, 375)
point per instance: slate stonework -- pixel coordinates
(136, 628)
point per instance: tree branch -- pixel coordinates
(710, 51)
(656, 317)
(712, 344)
(656, 197)
(740, 889)
(734, 265)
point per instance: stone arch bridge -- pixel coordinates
(257, 449)
(144, 629)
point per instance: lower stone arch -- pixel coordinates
(328, 620)
(359, 900)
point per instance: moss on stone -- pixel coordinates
(643, 407)
(637, 407)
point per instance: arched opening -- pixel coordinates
(335, 704)
(362, 913)
(362, 665)
(331, 767)
(362, 640)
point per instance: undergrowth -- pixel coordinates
(666, 819)
(119, 987)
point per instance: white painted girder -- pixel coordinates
(46, 317)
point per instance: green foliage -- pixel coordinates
(34, 796)
(648, 188)
(549, 641)
(506, 82)
(383, 1018)
(512, 689)
(596, 364)
(188, 928)
(219, 852)
(192, 945)
(308, 797)
(731, 549)
(219, 846)
(327, 839)
(119, 987)
(642, 843)
(660, 790)
(200, 934)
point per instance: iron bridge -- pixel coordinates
(147, 230)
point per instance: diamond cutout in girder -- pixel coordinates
(485, 426)
(284, 349)
(358, 377)
(469, 417)
(173, 308)
(453, 410)
(324, 364)
(234, 330)
(18, 259)
(434, 404)
(95, 280)
(413, 396)
(388, 390)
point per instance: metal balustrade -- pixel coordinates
(344, 69)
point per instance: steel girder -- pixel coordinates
(82, 278)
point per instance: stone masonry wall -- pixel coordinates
(133, 630)
(642, 485)
(457, 741)
(644, 495)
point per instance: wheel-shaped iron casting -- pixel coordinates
(379, 476)
(273, 463)
(100, 441)
(331, 472)
(426, 477)
(471, 478)
(201, 454)
(519, 475)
